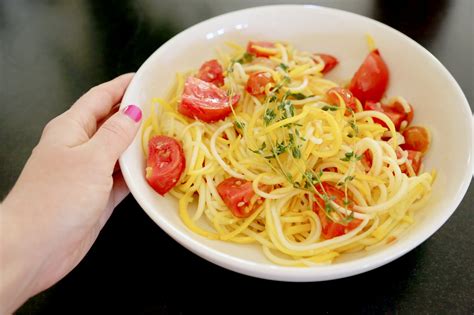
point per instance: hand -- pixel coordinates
(65, 193)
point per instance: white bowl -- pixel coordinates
(415, 74)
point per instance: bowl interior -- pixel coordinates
(414, 73)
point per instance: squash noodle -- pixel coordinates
(276, 141)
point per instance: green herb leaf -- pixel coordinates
(239, 124)
(246, 57)
(287, 108)
(351, 156)
(346, 180)
(296, 152)
(354, 127)
(346, 202)
(283, 67)
(348, 219)
(311, 178)
(327, 198)
(298, 134)
(347, 157)
(291, 138)
(330, 107)
(269, 116)
(285, 80)
(299, 96)
(272, 98)
(260, 150)
(280, 148)
(328, 208)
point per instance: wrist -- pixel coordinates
(17, 271)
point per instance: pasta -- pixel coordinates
(314, 161)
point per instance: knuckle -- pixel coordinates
(116, 138)
(102, 93)
(116, 129)
(51, 125)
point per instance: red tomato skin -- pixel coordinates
(400, 109)
(371, 79)
(167, 162)
(345, 94)
(257, 82)
(253, 51)
(416, 158)
(235, 191)
(416, 139)
(211, 71)
(330, 228)
(367, 159)
(329, 62)
(395, 116)
(205, 101)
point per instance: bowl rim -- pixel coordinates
(287, 273)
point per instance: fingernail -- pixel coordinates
(133, 112)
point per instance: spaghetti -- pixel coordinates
(327, 175)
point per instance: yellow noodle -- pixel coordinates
(285, 141)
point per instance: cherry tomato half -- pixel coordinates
(330, 228)
(416, 139)
(371, 79)
(346, 96)
(329, 62)
(415, 158)
(256, 52)
(211, 71)
(165, 163)
(239, 196)
(205, 101)
(395, 112)
(367, 159)
(257, 82)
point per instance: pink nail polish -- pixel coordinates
(133, 112)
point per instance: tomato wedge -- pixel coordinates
(254, 51)
(165, 163)
(211, 71)
(399, 108)
(416, 139)
(415, 158)
(367, 159)
(239, 196)
(371, 79)
(346, 96)
(205, 101)
(329, 62)
(257, 82)
(330, 228)
(395, 112)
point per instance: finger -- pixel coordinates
(98, 102)
(119, 190)
(79, 123)
(118, 193)
(113, 110)
(115, 135)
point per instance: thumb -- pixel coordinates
(116, 133)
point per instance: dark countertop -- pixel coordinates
(53, 51)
